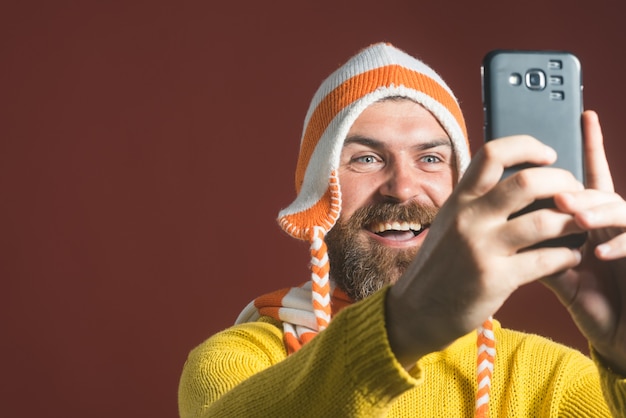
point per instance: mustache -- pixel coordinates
(394, 212)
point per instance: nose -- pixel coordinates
(402, 183)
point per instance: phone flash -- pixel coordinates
(515, 79)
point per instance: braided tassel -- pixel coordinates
(486, 355)
(320, 281)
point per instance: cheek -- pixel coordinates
(353, 196)
(439, 188)
(358, 190)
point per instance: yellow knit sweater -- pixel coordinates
(349, 370)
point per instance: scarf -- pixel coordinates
(293, 307)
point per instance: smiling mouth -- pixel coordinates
(397, 230)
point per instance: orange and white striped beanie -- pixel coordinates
(376, 72)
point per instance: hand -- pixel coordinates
(471, 262)
(595, 291)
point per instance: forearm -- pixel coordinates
(347, 369)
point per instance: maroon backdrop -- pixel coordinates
(147, 146)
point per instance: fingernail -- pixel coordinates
(567, 197)
(550, 153)
(603, 250)
(589, 216)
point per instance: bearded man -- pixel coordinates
(413, 250)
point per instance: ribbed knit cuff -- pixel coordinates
(371, 363)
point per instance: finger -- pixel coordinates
(524, 187)
(544, 262)
(489, 163)
(608, 215)
(594, 209)
(597, 172)
(535, 227)
(604, 213)
(572, 202)
(613, 249)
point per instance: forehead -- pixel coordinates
(397, 119)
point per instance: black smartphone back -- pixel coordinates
(538, 93)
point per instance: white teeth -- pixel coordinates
(396, 226)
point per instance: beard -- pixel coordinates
(361, 266)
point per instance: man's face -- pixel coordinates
(397, 168)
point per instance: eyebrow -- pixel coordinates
(374, 143)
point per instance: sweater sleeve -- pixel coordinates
(613, 387)
(346, 370)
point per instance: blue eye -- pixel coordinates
(365, 163)
(431, 159)
(367, 159)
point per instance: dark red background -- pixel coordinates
(147, 146)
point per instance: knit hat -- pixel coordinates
(376, 72)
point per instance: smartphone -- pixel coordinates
(538, 93)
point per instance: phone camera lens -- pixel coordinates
(535, 79)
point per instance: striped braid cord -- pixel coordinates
(320, 268)
(486, 345)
